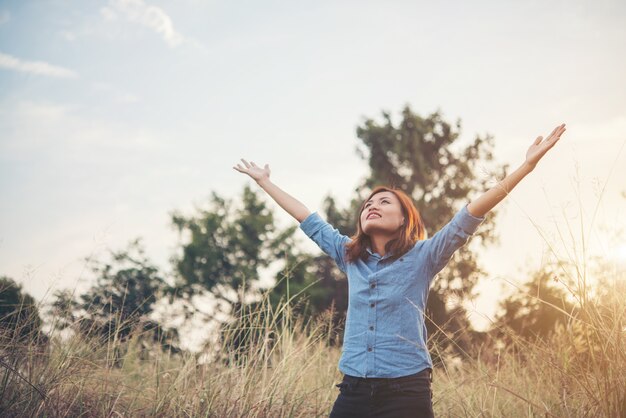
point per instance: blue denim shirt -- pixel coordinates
(385, 331)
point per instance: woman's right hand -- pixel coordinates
(254, 171)
(262, 176)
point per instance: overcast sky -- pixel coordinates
(115, 113)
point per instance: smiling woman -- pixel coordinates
(390, 266)
(389, 223)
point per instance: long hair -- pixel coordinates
(412, 231)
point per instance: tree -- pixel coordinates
(120, 302)
(20, 322)
(226, 247)
(308, 277)
(224, 251)
(418, 157)
(536, 309)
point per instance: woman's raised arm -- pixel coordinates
(262, 176)
(492, 197)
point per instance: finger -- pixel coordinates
(553, 131)
(245, 163)
(560, 129)
(267, 166)
(555, 140)
(559, 132)
(253, 164)
(538, 140)
(552, 143)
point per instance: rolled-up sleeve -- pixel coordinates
(451, 237)
(329, 239)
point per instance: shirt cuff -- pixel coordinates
(311, 223)
(468, 222)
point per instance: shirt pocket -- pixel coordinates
(401, 282)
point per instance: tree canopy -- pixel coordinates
(19, 315)
(120, 301)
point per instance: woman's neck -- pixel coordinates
(378, 243)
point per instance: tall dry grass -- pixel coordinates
(290, 368)
(579, 371)
(289, 371)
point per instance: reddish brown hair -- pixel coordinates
(412, 231)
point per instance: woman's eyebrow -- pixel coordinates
(384, 197)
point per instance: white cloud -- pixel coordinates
(153, 17)
(35, 67)
(44, 113)
(68, 35)
(108, 14)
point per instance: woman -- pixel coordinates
(386, 365)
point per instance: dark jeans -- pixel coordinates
(407, 396)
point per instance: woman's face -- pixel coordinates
(382, 214)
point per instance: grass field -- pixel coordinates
(290, 370)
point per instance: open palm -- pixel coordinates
(538, 149)
(253, 170)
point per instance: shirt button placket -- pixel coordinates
(371, 322)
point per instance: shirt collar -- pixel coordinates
(376, 254)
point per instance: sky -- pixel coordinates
(115, 113)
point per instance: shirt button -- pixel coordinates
(369, 348)
(401, 259)
(371, 305)
(371, 328)
(373, 285)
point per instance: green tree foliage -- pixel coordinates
(120, 302)
(227, 247)
(20, 322)
(420, 156)
(536, 309)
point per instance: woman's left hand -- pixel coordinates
(539, 147)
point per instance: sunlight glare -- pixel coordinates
(620, 253)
